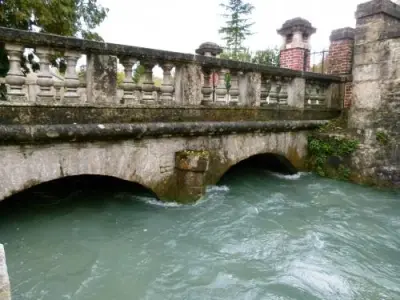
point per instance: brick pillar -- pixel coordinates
(295, 50)
(340, 59)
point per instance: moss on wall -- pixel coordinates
(329, 155)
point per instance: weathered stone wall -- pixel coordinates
(150, 161)
(5, 290)
(374, 116)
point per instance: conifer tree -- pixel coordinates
(237, 26)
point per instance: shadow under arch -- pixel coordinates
(265, 161)
(63, 187)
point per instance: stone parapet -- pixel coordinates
(198, 80)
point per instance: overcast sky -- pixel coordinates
(182, 25)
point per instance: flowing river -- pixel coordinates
(257, 235)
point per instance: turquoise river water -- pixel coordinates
(257, 235)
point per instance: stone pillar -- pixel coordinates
(340, 58)
(295, 51)
(191, 169)
(374, 113)
(5, 290)
(101, 78)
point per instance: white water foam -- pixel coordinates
(217, 188)
(289, 177)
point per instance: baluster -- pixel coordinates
(274, 93)
(265, 89)
(58, 85)
(307, 96)
(234, 90)
(148, 83)
(128, 84)
(15, 78)
(207, 89)
(283, 95)
(45, 80)
(167, 87)
(221, 90)
(71, 83)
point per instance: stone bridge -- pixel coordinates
(174, 139)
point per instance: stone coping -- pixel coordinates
(374, 7)
(68, 133)
(341, 34)
(163, 106)
(62, 43)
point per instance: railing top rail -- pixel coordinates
(34, 39)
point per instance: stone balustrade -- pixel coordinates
(200, 80)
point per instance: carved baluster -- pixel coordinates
(15, 78)
(128, 85)
(207, 89)
(58, 85)
(167, 87)
(71, 83)
(265, 89)
(308, 90)
(148, 83)
(221, 90)
(283, 95)
(234, 90)
(45, 80)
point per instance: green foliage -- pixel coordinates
(237, 26)
(334, 125)
(382, 138)
(264, 57)
(320, 149)
(120, 78)
(63, 17)
(228, 81)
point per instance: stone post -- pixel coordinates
(191, 169)
(101, 78)
(340, 58)
(374, 112)
(295, 51)
(15, 78)
(5, 290)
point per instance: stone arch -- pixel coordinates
(82, 181)
(275, 162)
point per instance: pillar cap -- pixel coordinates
(296, 24)
(209, 48)
(375, 7)
(346, 33)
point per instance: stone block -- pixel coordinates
(101, 78)
(188, 84)
(369, 72)
(5, 290)
(296, 93)
(367, 95)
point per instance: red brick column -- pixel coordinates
(295, 58)
(340, 59)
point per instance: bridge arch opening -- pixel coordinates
(272, 162)
(90, 188)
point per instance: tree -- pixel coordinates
(268, 56)
(64, 17)
(237, 27)
(76, 18)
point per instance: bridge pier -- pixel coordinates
(191, 166)
(5, 290)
